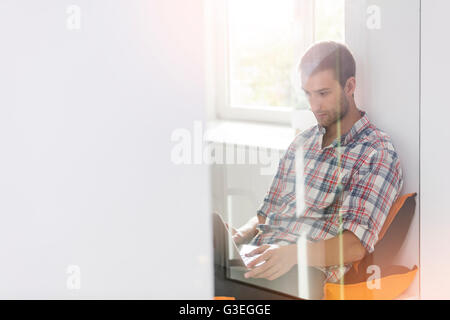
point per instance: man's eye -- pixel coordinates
(323, 94)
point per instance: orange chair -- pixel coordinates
(394, 280)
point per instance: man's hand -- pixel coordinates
(278, 260)
(240, 236)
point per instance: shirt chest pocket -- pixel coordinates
(323, 185)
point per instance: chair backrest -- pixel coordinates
(392, 242)
(398, 204)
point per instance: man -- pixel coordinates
(352, 177)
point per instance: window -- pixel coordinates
(257, 46)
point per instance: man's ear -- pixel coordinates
(350, 87)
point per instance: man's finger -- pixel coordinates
(257, 250)
(254, 272)
(275, 275)
(262, 271)
(275, 269)
(264, 257)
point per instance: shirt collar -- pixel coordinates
(357, 128)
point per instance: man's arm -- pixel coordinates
(327, 253)
(280, 259)
(248, 231)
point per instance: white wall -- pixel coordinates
(388, 73)
(86, 177)
(435, 134)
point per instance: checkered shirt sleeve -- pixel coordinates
(371, 195)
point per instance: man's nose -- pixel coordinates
(315, 105)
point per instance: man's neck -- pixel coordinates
(346, 123)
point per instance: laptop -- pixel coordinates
(234, 254)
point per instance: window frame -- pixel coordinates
(218, 62)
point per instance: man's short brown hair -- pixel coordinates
(328, 55)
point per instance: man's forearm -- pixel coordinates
(335, 251)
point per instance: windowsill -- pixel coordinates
(252, 134)
(259, 134)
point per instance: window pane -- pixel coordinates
(262, 51)
(265, 37)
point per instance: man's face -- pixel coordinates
(326, 97)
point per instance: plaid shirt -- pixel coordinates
(358, 179)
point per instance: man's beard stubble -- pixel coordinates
(341, 111)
